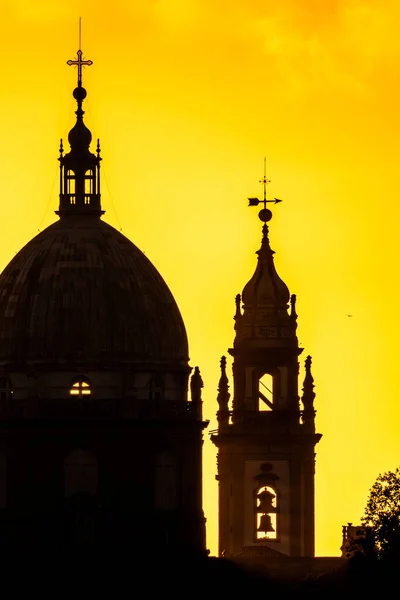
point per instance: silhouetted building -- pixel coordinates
(354, 538)
(266, 439)
(99, 442)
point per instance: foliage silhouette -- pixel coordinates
(382, 514)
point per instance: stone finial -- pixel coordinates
(223, 386)
(308, 395)
(238, 313)
(293, 313)
(223, 395)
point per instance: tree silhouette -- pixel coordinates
(382, 513)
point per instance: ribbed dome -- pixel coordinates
(80, 289)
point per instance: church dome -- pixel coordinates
(81, 290)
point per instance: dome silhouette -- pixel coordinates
(81, 289)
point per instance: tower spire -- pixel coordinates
(80, 168)
(266, 444)
(265, 297)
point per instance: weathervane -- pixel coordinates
(79, 62)
(265, 214)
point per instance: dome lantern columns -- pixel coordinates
(79, 168)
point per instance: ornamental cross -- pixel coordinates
(79, 62)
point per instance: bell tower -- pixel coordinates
(266, 439)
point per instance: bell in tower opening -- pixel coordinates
(265, 525)
(266, 513)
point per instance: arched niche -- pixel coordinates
(166, 481)
(156, 389)
(6, 389)
(80, 473)
(3, 480)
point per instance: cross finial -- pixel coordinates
(79, 62)
(265, 182)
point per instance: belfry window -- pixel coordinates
(265, 392)
(80, 388)
(6, 391)
(266, 513)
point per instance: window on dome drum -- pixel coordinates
(265, 393)
(266, 522)
(80, 388)
(6, 391)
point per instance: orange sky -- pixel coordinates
(187, 97)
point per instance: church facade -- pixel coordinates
(99, 441)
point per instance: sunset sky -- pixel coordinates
(187, 97)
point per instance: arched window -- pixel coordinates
(71, 184)
(88, 185)
(266, 513)
(80, 388)
(6, 391)
(80, 473)
(156, 389)
(166, 484)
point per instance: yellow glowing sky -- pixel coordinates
(187, 97)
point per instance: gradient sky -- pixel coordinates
(187, 97)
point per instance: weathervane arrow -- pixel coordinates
(264, 214)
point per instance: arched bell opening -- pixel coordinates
(269, 390)
(265, 393)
